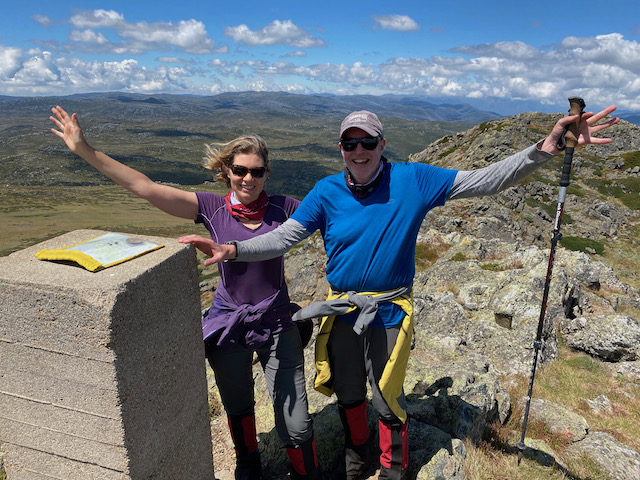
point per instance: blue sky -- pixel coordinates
(500, 54)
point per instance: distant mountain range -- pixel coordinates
(164, 135)
(631, 117)
(408, 107)
(398, 106)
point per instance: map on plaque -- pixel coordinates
(101, 252)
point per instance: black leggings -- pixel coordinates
(355, 358)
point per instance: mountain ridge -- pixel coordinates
(401, 106)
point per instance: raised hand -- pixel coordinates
(588, 126)
(68, 129)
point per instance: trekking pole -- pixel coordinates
(567, 142)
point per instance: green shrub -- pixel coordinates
(583, 362)
(551, 210)
(538, 130)
(532, 202)
(631, 159)
(575, 189)
(459, 257)
(607, 188)
(627, 190)
(527, 218)
(492, 267)
(484, 126)
(631, 200)
(536, 177)
(579, 244)
(444, 154)
(443, 140)
(631, 195)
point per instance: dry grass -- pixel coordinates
(428, 253)
(576, 377)
(510, 263)
(486, 462)
(622, 256)
(569, 381)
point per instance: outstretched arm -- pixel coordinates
(500, 175)
(168, 199)
(263, 247)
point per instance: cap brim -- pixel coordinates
(366, 128)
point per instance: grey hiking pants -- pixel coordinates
(282, 362)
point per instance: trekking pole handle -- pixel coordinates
(576, 107)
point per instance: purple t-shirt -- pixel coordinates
(246, 282)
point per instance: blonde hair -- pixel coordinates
(219, 154)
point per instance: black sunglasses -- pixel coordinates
(240, 171)
(368, 143)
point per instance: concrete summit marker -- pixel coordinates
(102, 374)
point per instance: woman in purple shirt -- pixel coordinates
(251, 311)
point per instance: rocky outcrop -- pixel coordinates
(462, 400)
(615, 459)
(612, 338)
(559, 420)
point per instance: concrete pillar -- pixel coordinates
(102, 375)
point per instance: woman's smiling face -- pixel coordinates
(246, 188)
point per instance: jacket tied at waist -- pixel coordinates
(227, 324)
(340, 303)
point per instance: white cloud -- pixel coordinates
(610, 49)
(98, 19)
(173, 60)
(43, 20)
(297, 53)
(515, 50)
(276, 33)
(188, 35)
(10, 61)
(603, 69)
(43, 74)
(38, 69)
(221, 49)
(88, 36)
(402, 23)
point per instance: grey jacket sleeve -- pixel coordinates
(272, 244)
(498, 176)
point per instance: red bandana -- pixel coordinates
(254, 211)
